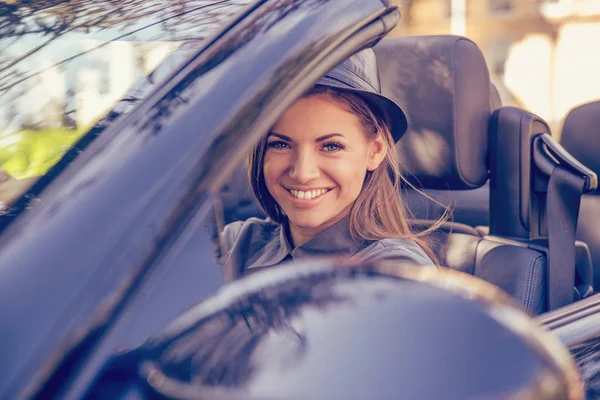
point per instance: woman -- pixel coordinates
(328, 178)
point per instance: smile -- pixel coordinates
(308, 194)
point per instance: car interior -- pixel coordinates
(471, 207)
(466, 152)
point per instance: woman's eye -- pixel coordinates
(278, 145)
(333, 146)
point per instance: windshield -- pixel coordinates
(65, 64)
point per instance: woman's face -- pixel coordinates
(315, 163)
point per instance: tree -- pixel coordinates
(48, 20)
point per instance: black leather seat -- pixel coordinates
(579, 137)
(443, 84)
(469, 207)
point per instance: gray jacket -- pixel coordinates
(257, 243)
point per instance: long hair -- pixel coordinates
(378, 212)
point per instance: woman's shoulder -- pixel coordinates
(252, 229)
(396, 249)
(242, 241)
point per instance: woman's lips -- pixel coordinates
(307, 198)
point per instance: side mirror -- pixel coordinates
(321, 330)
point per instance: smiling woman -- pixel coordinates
(328, 178)
(315, 176)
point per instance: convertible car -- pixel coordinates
(116, 240)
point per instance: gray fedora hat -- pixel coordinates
(358, 73)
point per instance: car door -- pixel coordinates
(102, 257)
(578, 327)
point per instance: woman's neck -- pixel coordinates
(299, 236)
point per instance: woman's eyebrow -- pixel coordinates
(318, 140)
(280, 136)
(328, 136)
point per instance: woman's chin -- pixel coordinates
(312, 221)
(306, 223)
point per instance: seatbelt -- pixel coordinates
(562, 210)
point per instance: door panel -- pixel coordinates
(578, 327)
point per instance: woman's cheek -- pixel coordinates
(273, 168)
(350, 175)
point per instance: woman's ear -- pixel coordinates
(377, 153)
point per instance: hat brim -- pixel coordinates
(396, 119)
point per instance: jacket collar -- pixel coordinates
(335, 240)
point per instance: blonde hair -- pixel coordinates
(378, 212)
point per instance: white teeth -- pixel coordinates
(310, 194)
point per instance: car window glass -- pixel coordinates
(190, 270)
(237, 200)
(64, 65)
(234, 202)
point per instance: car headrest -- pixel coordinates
(580, 132)
(443, 85)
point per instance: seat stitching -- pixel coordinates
(530, 283)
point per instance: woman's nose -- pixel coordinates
(304, 168)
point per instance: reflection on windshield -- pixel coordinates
(65, 64)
